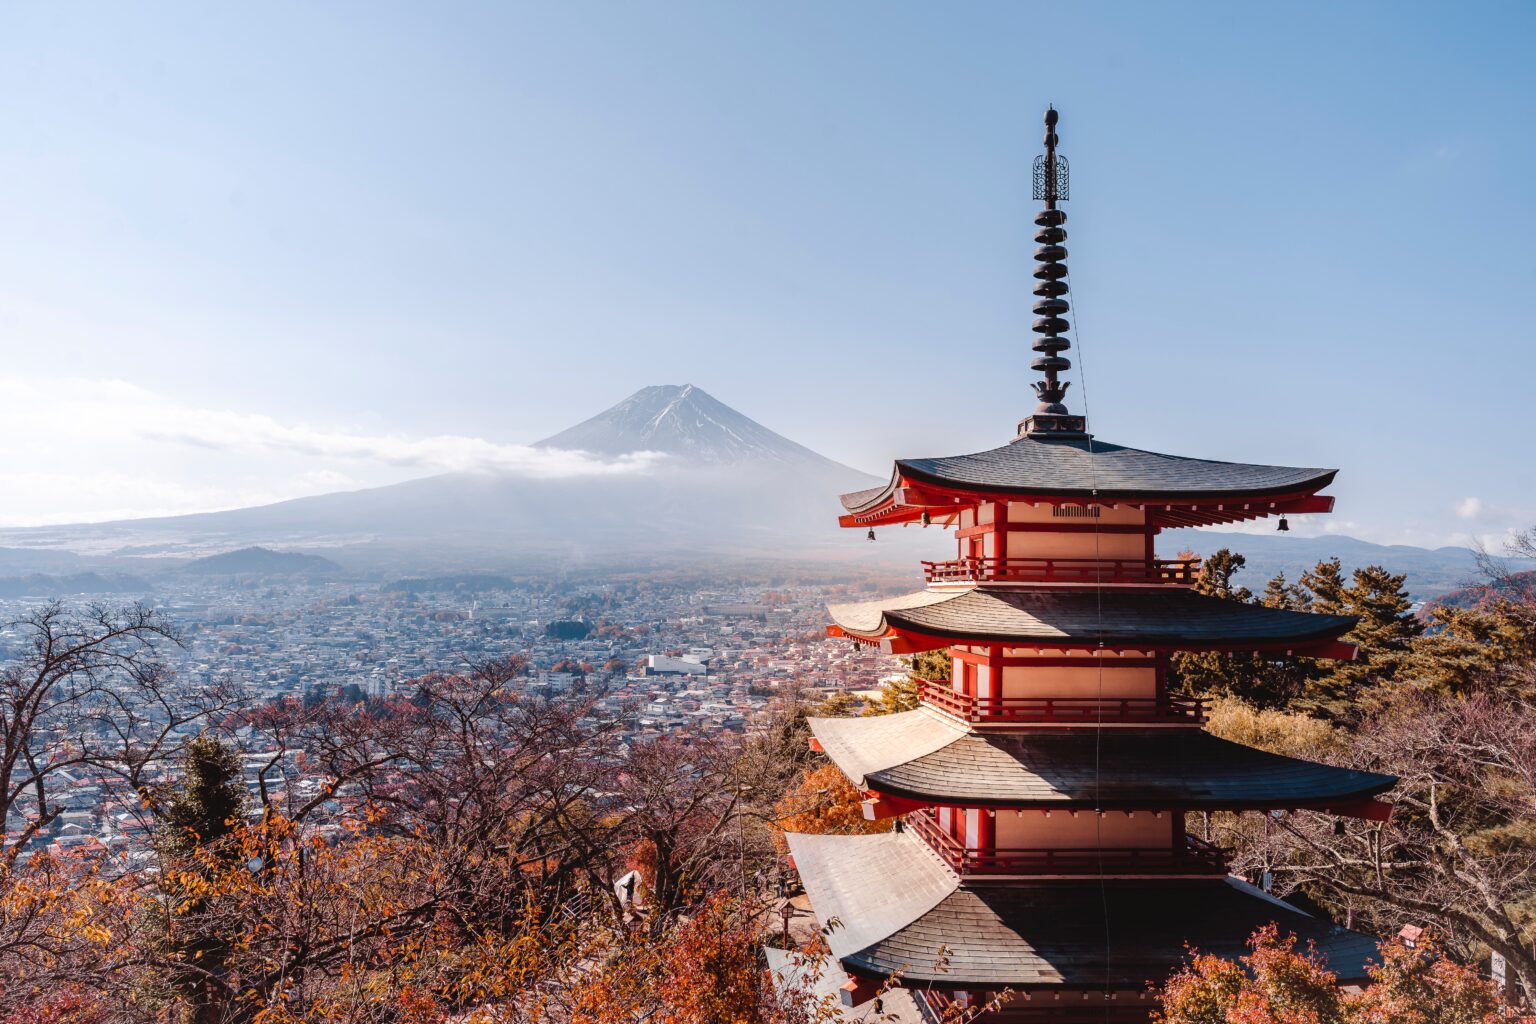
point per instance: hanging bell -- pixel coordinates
(871, 533)
(1284, 526)
(927, 519)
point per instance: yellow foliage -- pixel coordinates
(1276, 731)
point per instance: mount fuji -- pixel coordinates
(689, 425)
(708, 480)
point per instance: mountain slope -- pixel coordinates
(687, 422)
(728, 485)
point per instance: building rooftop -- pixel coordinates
(1085, 468)
(922, 755)
(1140, 618)
(899, 905)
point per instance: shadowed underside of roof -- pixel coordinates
(1151, 616)
(1035, 935)
(919, 756)
(1090, 468)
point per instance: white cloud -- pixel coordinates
(78, 449)
(1469, 508)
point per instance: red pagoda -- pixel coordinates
(1043, 789)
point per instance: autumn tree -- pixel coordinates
(1460, 850)
(1276, 983)
(88, 691)
(825, 801)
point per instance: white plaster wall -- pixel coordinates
(1076, 545)
(1117, 681)
(1087, 831)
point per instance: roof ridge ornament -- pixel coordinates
(1052, 185)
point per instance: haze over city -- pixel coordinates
(253, 255)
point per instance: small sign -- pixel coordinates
(1498, 969)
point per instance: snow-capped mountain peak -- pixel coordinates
(683, 421)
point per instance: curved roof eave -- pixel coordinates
(922, 756)
(1139, 618)
(1093, 469)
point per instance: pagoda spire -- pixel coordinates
(1051, 418)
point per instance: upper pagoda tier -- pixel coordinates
(1172, 490)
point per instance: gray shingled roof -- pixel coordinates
(1070, 468)
(1155, 616)
(1043, 934)
(906, 755)
(884, 741)
(817, 981)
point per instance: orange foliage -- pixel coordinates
(705, 971)
(1275, 984)
(825, 801)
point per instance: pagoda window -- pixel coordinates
(1106, 515)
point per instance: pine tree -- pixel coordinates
(201, 808)
(206, 802)
(905, 694)
(1325, 582)
(1383, 636)
(1216, 574)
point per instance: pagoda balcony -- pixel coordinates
(1180, 571)
(1194, 857)
(1065, 710)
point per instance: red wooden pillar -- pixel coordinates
(1000, 538)
(995, 675)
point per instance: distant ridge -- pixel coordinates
(259, 560)
(44, 585)
(687, 422)
(1431, 571)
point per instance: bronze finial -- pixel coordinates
(1050, 418)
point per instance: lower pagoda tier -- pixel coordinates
(899, 909)
(1141, 618)
(925, 757)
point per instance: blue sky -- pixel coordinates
(253, 251)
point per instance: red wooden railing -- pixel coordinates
(1064, 570)
(1086, 710)
(1195, 857)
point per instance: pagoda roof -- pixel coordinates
(924, 756)
(897, 905)
(817, 981)
(1085, 468)
(1142, 618)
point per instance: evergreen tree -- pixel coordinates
(1465, 648)
(1325, 582)
(1383, 635)
(206, 802)
(905, 694)
(203, 806)
(1215, 578)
